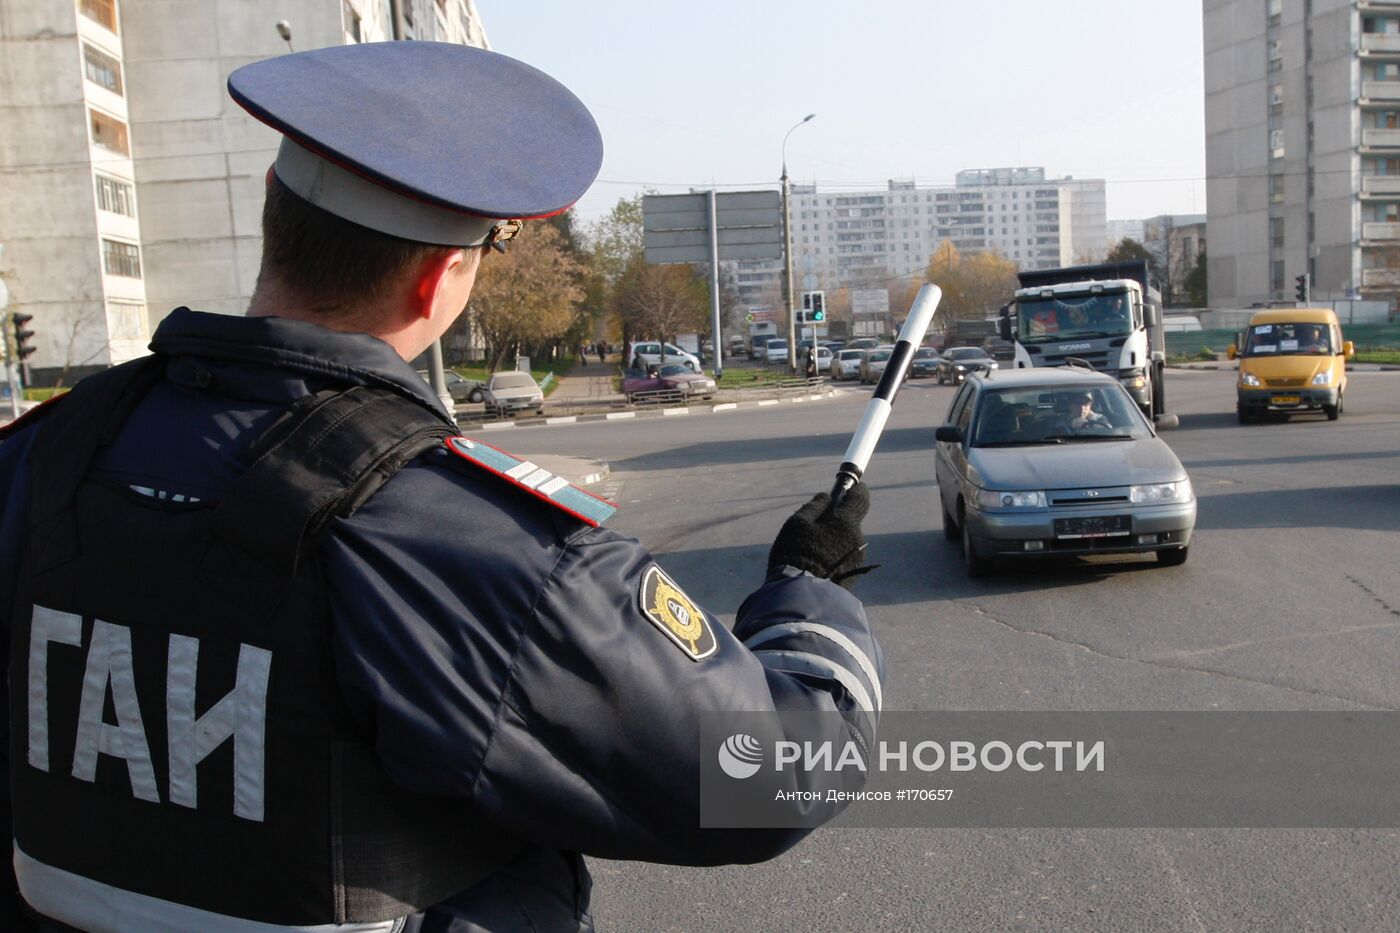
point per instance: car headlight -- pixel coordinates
(960, 367)
(993, 499)
(993, 366)
(1179, 491)
(1323, 378)
(537, 399)
(1249, 379)
(1133, 379)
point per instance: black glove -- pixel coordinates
(825, 544)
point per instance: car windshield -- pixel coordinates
(1072, 317)
(673, 369)
(851, 354)
(512, 381)
(925, 353)
(1027, 416)
(1287, 339)
(777, 344)
(879, 356)
(967, 353)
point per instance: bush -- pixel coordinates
(1205, 353)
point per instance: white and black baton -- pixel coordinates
(872, 423)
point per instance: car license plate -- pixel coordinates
(1285, 400)
(1095, 526)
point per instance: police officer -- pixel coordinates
(284, 653)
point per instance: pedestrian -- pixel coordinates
(602, 357)
(289, 653)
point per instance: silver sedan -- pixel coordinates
(1058, 461)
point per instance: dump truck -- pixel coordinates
(1107, 316)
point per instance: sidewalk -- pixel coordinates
(587, 386)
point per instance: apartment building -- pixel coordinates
(130, 183)
(1302, 105)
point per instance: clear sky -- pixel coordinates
(701, 93)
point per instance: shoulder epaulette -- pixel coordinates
(31, 416)
(535, 480)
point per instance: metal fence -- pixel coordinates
(1192, 344)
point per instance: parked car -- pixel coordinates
(862, 343)
(823, 358)
(672, 379)
(758, 346)
(872, 364)
(1003, 351)
(511, 392)
(459, 387)
(924, 363)
(847, 364)
(835, 346)
(775, 351)
(957, 362)
(648, 353)
(1037, 462)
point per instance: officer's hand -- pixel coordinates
(825, 544)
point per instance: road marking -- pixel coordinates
(768, 401)
(617, 415)
(799, 399)
(497, 425)
(725, 407)
(562, 419)
(675, 411)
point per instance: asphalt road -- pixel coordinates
(1290, 601)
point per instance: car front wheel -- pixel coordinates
(1172, 557)
(977, 565)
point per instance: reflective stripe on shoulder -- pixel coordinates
(101, 908)
(535, 480)
(831, 635)
(804, 662)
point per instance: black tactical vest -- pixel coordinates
(176, 727)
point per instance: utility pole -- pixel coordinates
(788, 292)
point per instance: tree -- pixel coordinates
(973, 286)
(527, 295)
(660, 300)
(1196, 282)
(1128, 249)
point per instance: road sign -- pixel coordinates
(870, 301)
(676, 227)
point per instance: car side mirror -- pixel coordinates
(1349, 349)
(1166, 422)
(948, 434)
(1231, 352)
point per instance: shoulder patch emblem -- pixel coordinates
(523, 474)
(675, 614)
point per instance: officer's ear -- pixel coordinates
(442, 276)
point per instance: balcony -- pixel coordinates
(1380, 184)
(1379, 138)
(1386, 5)
(1380, 90)
(1380, 43)
(1374, 230)
(1380, 278)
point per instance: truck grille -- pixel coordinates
(1283, 383)
(1097, 360)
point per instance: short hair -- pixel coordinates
(329, 260)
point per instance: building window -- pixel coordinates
(1276, 232)
(1276, 189)
(1387, 213)
(108, 132)
(1385, 71)
(101, 11)
(1380, 166)
(1383, 119)
(102, 69)
(1275, 55)
(116, 196)
(352, 21)
(127, 320)
(1276, 144)
(1276, 276)
(122, 259)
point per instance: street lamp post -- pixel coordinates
(787, 257)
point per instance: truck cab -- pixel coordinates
(1106, 317)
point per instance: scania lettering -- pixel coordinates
(1107, 316)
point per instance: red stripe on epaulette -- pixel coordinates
(30, 416)
(521, 486)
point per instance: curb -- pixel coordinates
(830, 392)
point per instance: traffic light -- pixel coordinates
(818, 308)
(1304, 287)
(22, 336)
